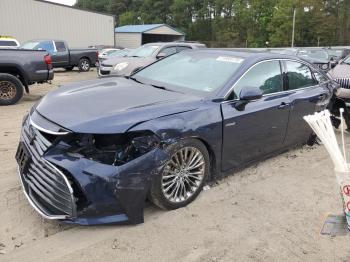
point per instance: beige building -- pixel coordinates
(133, 36)
(36, 19)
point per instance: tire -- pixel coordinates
(69, 68)
(11, 89)
(84, 65)
(160, 192)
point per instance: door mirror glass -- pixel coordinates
(250, 93)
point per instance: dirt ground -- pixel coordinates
(272, 211)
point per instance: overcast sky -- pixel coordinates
(65, 2)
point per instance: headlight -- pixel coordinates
(324, 66)
(120, 66)
(115, 149)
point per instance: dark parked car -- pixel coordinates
(19, 69)
(64, 57)
(143, 56)
(163, 132)
(341, 73)
(317, 56)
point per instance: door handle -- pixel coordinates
(283, 105)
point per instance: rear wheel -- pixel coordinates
(11, 89)
(84, 65)
(183, 176)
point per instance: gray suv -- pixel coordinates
(143, 56)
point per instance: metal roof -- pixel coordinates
(141, 28)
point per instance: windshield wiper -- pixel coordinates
(164, 88)
(133, 78)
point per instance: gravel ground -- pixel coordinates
(272, 211)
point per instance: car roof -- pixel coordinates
(176, 43)
(246, 54)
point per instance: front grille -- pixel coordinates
(45, 185)
(343, 82)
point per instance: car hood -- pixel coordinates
(133, 63)
(340, 71)
(111, 105)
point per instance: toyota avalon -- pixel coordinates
(93, 152)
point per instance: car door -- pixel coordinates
(258, 128)
(307, 96)
(61, 56)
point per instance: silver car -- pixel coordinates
(142, 56)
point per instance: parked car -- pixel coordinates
(316, 56)
(143, 56)
(105, 52)
(341, 72)
(8, 42)
(284, 51)
(163, 132)
(19, 69)
(62, 56)
(118, 53)
(338, 53)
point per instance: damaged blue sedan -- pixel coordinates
(93, 152)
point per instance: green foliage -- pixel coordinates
(239, 23)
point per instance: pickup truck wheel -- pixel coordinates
(84, 65)
(11, 89)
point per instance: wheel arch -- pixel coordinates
(17, 72)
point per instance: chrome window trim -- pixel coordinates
(268, 60)
(46, 130)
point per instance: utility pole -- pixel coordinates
(294, 13)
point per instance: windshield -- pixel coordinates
(144, 51)
(316, 54)
(119, 53)
(30, 45)
(196, 71)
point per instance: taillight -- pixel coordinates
(97, 54)
(48, 61)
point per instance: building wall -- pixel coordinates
(29, 19)
(163, 30)
(128, 40)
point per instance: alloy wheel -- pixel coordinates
(183, 174)
(85, 65)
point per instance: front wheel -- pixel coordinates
(84, 65)
(11, 89)
(183, 176)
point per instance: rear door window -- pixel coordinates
(299, 75)
(60, 46)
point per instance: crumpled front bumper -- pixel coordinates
(78, 190)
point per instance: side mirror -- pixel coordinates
(250, 93)
(161, 55)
